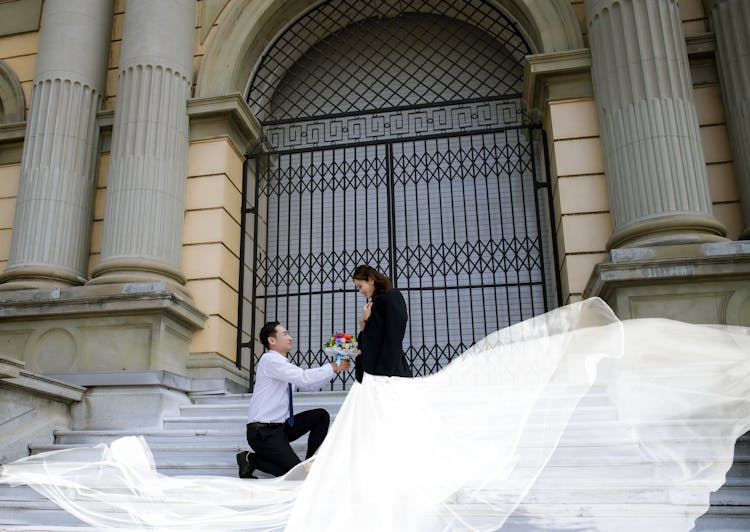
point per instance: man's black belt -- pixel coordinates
(260, 424)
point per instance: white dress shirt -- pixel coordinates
(270, 401)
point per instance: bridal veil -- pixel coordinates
(506, 437)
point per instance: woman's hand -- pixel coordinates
(366, 310)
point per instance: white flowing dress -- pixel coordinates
(468, 448)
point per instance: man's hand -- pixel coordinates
(343, 365)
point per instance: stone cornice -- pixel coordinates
(571, 68)
(224, 116)
(91, 300)
(564, 68)
(659, 264)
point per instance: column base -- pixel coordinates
(121, 271)
(25, 277)
(669, 230)
(697, 283)
(114, 327)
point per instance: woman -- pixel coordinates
(382, 325)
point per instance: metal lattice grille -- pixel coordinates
(427, 53)
(398, 140)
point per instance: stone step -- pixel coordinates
(527, 517)
(234, 441)
(577, 430)
(312, 399)
(729, 495)
(220, 455)
(212, 431)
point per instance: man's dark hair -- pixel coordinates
(269, 329)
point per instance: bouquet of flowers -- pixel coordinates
(341, 346)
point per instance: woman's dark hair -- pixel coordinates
(365, 272)
(269, 329)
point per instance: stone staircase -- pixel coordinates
(204, 438)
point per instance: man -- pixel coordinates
(271, 425)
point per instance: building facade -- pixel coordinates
(174, 172)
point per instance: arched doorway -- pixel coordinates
(394, 136)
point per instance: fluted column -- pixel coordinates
(142, 235)
(730, 20)
(656, 173)
(52, 224)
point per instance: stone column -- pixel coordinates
(50, 242)
(730, 20)
(142, 237)
(656, 172)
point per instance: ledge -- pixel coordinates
(701, 44)
(570, 69)
(165, 379)
(13, 374)
(111, 299)
(224, 116)
(678, 263)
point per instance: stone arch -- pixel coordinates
(12, 100)
(248, 26)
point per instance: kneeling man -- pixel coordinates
(272, 424)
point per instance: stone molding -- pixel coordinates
(704, 283)
(226, 116)
(236, 45)
(109, 299)
(11, 96)
(556, 76)
(164, 379)
(13, 373)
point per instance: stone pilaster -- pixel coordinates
(730, 20)
(656, 173)
(142, 238)
(50, 242)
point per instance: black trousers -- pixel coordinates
(272, 451)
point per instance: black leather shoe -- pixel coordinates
(246, 466)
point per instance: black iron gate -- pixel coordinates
(394, 136)
(458, 222)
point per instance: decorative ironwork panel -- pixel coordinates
(344, 130)
(454, 221)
